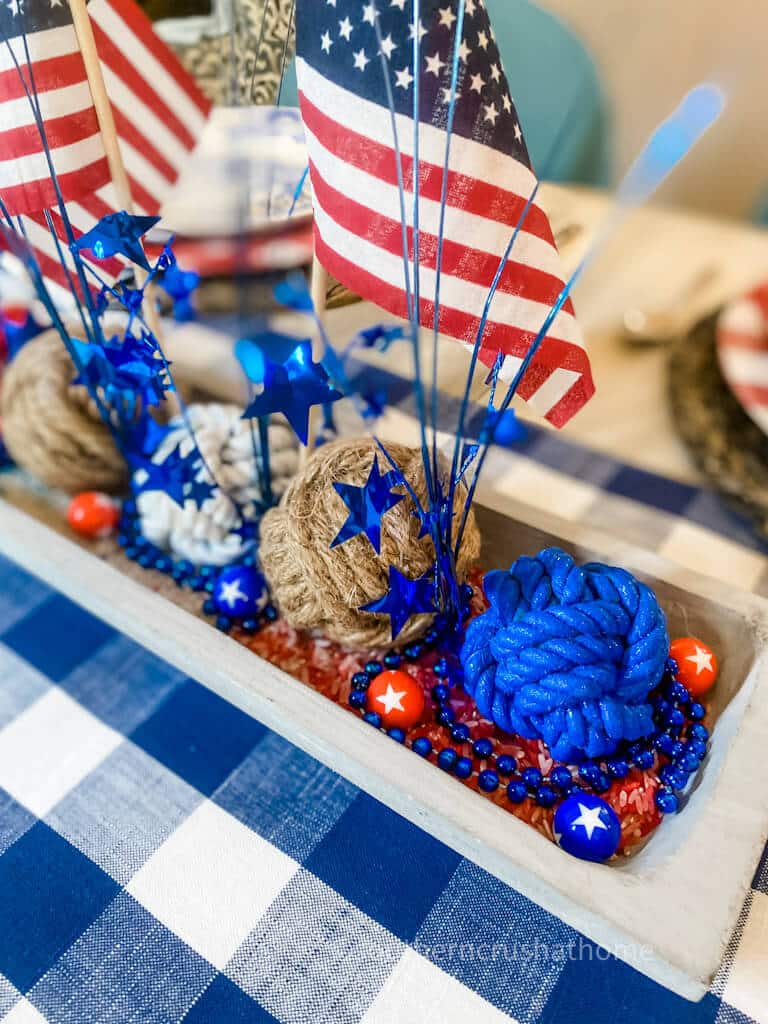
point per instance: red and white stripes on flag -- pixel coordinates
(358, 234)
(159, 114)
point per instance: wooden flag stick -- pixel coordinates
(108, 129)
(319, 292)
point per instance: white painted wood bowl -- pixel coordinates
(669, 910)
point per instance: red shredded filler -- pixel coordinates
(328, 668)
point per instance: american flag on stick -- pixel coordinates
(159, 113)
(358, 225)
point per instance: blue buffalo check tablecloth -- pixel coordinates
(166, 858)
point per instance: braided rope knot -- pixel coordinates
(567, 654)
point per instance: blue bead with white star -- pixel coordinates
(587, 827)
(239, 592)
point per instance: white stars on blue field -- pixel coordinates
(339, 39)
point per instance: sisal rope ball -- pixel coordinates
(53, 430)
(321, 588)
(567, 654)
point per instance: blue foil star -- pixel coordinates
(381, 336)
(255, 352)
(145, 435)
(118, 233)
(169, 476)
(292, 388)
(294, 293)
(200, 491)
(95, 370)
(505, 428)
(179, 285)
(131, 298)
(404, 598)
(127, 370)
(367, 505)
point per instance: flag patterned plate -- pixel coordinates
(742, 349)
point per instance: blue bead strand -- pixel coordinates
(678, 736)
(199, 579)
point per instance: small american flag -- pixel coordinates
(159, 114)
(358, 227)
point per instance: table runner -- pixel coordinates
(164, 857)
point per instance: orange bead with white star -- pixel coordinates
(93, 514)
(398, 698)
(697, 664)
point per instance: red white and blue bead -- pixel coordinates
(697, 666)
(239, 592)
(587, 827)
(93, 514)
(397, 698)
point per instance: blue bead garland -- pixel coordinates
(483, 748)
(446, 759)
(199, 579)
(517, 791)
(488, 780)
(678, 735)
(506, 764)
(422, 746)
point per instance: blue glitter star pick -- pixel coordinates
(180, 285)
(294, 293)
(145, 436)
(118, 233)
(126, 370)
(200, 491)
(255, 352)
(95, 369)
(170, 476)
(292, 388)
(367, 505)
(505, 428)
(404, 598)
(381, 336)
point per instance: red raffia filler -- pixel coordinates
(328, 668)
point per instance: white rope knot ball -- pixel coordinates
(206, 535)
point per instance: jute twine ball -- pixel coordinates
(52, 429)
(321, 588)
(207, 535)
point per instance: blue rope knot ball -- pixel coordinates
(567, 654)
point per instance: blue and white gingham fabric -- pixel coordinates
(166, 858)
